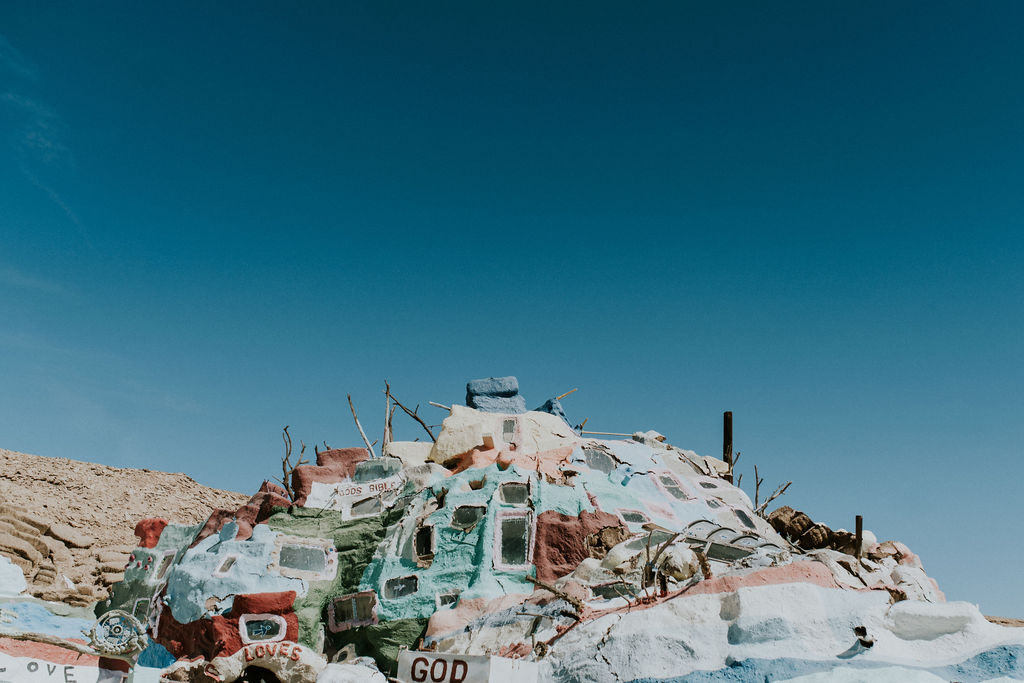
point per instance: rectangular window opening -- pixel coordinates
(367, 507)
(633, 516)
(515, 493)
(400, 587)
(141, 609)
(350, 611)
(423, 542)
(303, 558)
(448, 599)
(513, 542)
(508, 431)
(165, 563)
(465, 517)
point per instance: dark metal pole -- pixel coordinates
(860, 534)
(727, 443)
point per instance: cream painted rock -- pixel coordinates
(290, 662)
(913, 620)
(678, 562)
(411, 453)
(464, 429)
(868, 541)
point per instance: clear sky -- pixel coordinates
(219, 218)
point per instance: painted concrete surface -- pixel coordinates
(519, 541)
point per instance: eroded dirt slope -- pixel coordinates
(69, 524)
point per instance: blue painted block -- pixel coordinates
(492, 386)
(498, 404)
(554, 407)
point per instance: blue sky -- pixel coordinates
(215, 221)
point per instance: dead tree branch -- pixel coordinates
(355, 417)
(758, 480)
(732, 465)
(414, 414)
(576, 603)
(286, 463)
(59, 642)
(778, 492)
(388, 436)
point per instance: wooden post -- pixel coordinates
(860, 534)
(727, 443)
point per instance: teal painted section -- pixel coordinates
(464, 560)
(140, 576)
(191, 582)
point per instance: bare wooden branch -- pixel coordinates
(355, 417)
(575, 602)
(739, 481)
(59, 642)
(439, 405)
(286, 463)
(778, 492)
(414, 414)
(386, 439)
(758, 480)
(559, 398)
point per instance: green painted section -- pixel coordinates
(355, 540)
(382, 641)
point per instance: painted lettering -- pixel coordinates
(459, 675)
(419, 675)
(32, 667)
(438, 675)
(295, 653)
(271, 649)
(248, 655)
(69, 671)
(259, 651)
(283, 650)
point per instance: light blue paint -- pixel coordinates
(1007, 660)
(34, 617)
(191, 582)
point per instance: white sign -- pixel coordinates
(32, 670)
(341, 495)
(438, 667)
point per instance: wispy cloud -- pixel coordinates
(38, 136)
(16, 278)
(13, 61)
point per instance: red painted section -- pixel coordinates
(47, 652)
(219, 636)
(257, 510)
(797, 572)
(114, 664)
(331, 466)
(559, 548)
(149, 530)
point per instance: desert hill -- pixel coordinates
(69, 524)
